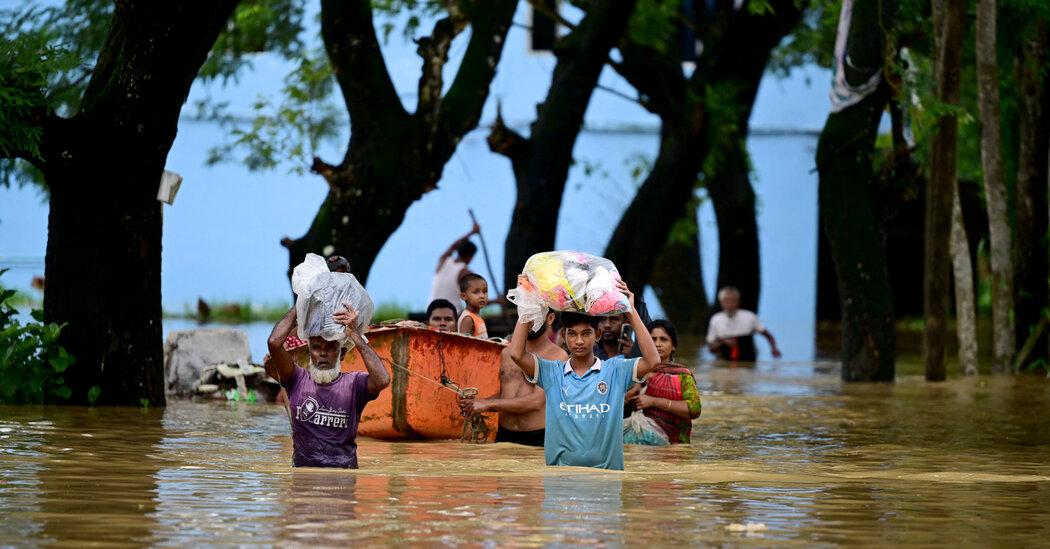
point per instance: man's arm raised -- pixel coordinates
(378, 377)
(281, 366)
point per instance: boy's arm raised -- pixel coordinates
(524, 359)
(650, 357)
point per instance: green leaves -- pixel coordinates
(31, 360)
(289, 131)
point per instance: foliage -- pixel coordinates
(288, 131)
(256, 26)
(29, 91)
(411, 12)
(654, 23)
(234, 312)
(49, 52)
(390, 311)
(31, 360)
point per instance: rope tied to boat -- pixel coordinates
(475, 429)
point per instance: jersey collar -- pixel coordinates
(596, 367)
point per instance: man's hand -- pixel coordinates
(776, 352)
(622, 286)
(474, 229)
(346, 317)
(728, 341)
(474, 406)
(626, 345)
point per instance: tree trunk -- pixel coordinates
(543, 165)
(678, 280)
(734, 202)
(947, 23)
(687, 137)
(995, 188)
(965, 304)
(848, 202)
(394, 157)
(103, 167)
(852, 224)
(643, 224)
(1034, 130)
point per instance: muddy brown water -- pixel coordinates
(787, 448)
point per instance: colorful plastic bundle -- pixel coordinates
(568, 281)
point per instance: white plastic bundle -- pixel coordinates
(320, 294)
(568, 281)
(639, 428)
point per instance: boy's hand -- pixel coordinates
(347, 316)
(622, 286)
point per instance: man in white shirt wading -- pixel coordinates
(730, 335)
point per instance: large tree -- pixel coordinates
(541, 161)
(394, 157)
(102, 163)
(848, 202)
(704, 121)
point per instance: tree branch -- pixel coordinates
(462, 105)
(353, 49)
(554, 14)
(434, 51)
(505, 141)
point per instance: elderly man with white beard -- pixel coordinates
(325, 403)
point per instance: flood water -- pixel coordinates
(787, 448)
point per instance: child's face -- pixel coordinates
(580, 339)
(477, 294)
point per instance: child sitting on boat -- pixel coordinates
(474, 291)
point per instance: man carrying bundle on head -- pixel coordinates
(325, 404)
(584, 409)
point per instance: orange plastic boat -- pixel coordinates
(418, 403)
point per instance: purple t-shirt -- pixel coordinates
(324, 418)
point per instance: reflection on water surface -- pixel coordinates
(787, 446)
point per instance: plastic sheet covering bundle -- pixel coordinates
(639, 428)
(568, 281)
(320, 294)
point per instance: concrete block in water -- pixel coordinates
(187, 353)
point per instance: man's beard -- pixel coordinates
(533, 336)
(322, 376)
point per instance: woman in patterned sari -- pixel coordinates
(671, 398)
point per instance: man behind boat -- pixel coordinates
(730, 335)
(325, 404)
(520, 404)
(450, 269)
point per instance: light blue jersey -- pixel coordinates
(585, 414)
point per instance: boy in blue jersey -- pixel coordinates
(584, 425)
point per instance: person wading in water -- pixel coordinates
(325, 404)
(519, 403)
